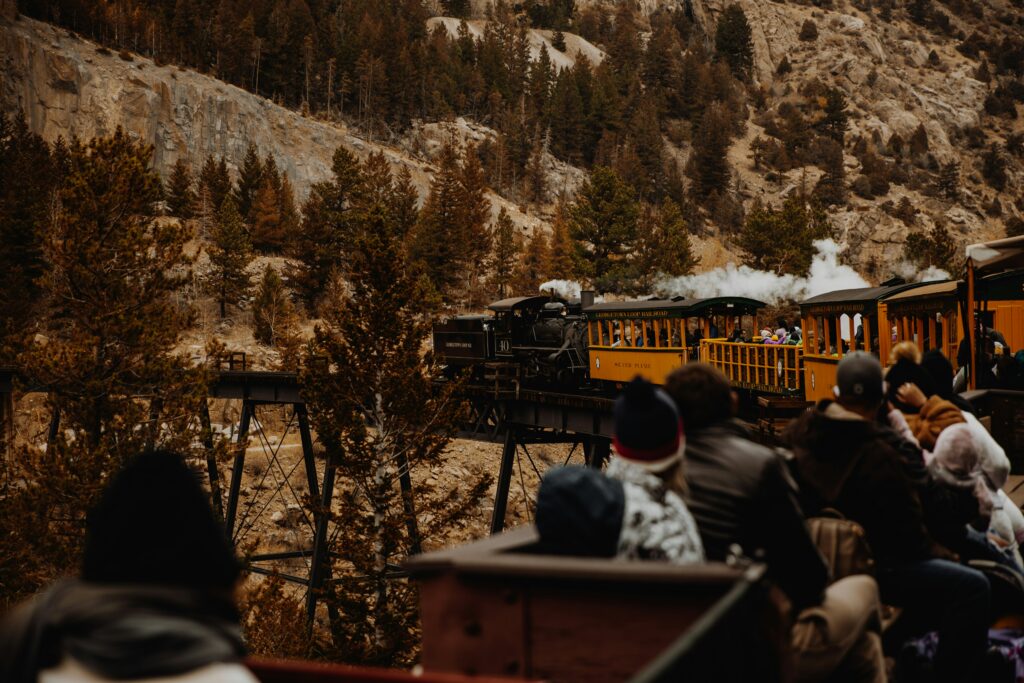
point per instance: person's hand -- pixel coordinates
(910, 394)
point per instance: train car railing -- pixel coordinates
(500, 607)
(769, 368)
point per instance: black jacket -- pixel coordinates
(742, 493)
(852, 466)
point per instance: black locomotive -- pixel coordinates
(532, 339)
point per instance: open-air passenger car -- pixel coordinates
(825, 319)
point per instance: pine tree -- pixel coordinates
(831, 188)
(535, 265)
(664, 247)
(919, 143)
(272, 311)
(558, 41)
(267, 234)
(216, 180)
(733, 41)
(111, 329)
(603, 224)
(994, 167)
(535, 179)
(504, 254)
(708, 166)
(450, 241)
(949, 180)
(30, 175)
(835, 120)
(250, 179)
(230, 255)
(181, 198)
(933, 248)
(381, 421)
(561, 265)
(782, 240)
(318, 249)
(289, 214)
(405, 208)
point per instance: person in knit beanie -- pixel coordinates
(647, 454)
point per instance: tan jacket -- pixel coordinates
(935, 415)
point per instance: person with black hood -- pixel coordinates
(633, 513)
(155, 595)
(844, 460)
(741, 493)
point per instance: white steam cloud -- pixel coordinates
(565, 289)
(826, 275)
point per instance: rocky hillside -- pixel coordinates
(68, 86)
(926, 103)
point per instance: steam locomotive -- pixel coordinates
(541, 338)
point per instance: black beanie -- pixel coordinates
(154, 525)
(579, 512)
(903, 372)
(648, 431)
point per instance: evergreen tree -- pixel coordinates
(504, 255)
(835, 120)
(405, 208)
(831, 188)
(267, 231)
(272, 311)
(230, 255)
(535, 265)
(708, 167)
(919, 143)
(289, 214)
(30, 175)
(535, 179)
(325, 233)
(450, 240)
(558, 41)
(603, 224)
(994, 167)
(250, 180)
(664, 247)
(782, 240)
(561, 265)
(381, 421)
(111, 329)
(933, 248)
(181, 198)
(949, 180)
(733, 42)
(216, 180)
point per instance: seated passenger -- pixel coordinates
(741, 493)
(957, 462)
(844, 460)
(155, 597)
(631, 513)
(737, 334)
(940, 372)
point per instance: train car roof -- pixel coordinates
(677, 307)
(519, 302)
(853, 300)
(929, 298)
(1005, 286)
(996, 255)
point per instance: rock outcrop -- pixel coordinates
(67, 86)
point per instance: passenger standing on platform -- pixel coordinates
(741, 493)
(155, 598)
(844, 460)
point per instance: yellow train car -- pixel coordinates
(830, 329)
(654, 337)
(929, 316)
(994, 274)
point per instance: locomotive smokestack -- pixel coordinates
(586, 298)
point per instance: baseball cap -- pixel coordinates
(859, 378)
